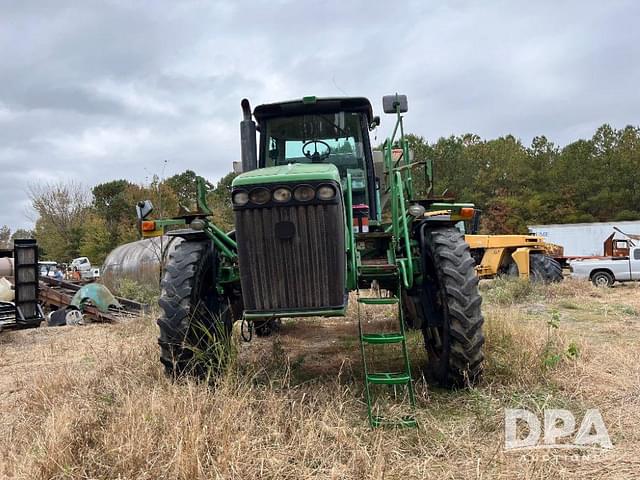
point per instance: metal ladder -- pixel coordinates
(386, 378)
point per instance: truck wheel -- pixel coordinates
(602, 279)
(196, 322)
(450, 304)
(542, 268)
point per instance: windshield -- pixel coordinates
(323, 138)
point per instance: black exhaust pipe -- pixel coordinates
(248, 148)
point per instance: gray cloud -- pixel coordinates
(99, 91)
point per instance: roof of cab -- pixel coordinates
(311, 105)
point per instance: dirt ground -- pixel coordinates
(92, 401)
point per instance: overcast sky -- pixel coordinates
(96, 91)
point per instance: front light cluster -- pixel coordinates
(301, 193)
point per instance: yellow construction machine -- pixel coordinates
(525, 256)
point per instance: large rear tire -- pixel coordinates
(196, 321)
(451, 307)
(542, 268)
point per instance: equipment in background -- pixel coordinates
(605, 271)
(96, 306)
(65, 316)
(80, 269)
(96, 294)
(584, 239)
(24, 311)
(6, 290)
(611, 248)
(139, 261)
(524, 256)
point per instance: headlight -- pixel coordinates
(197, 224)
(416, 210)
(240, 198)
(326, 192)
(260, 195)
(282, 194)
(304, 193)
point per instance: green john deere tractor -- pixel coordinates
(319, 214)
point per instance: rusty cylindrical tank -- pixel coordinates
(138, 261)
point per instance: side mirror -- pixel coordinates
(248, 147)
(390, 103)
(144, 209)
(374, 123)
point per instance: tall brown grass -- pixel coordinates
(92, 402)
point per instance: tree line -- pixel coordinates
(515, 185)
(594, 180)
(73, 221)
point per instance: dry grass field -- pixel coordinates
(92, 401)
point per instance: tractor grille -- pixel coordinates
(291, 257)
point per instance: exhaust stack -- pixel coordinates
(248, 148)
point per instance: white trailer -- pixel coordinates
(583, 239)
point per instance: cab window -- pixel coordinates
(334, 138)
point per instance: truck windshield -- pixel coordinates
(322, 138)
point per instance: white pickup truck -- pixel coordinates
(83, 266)
(605, 272)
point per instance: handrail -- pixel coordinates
(352, 241)
(408, 280)
(220, 240)
(398, 184)
(224, 237)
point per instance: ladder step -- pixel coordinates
(370, 235)
(386, 378)
(380, 338)
(378, 301)
(378, 268)
(406, 421)
(382, 267)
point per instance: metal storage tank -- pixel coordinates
(139, 261)
(6, 267)
(584, 239)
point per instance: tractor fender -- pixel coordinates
(521, 258)
(98, 294)
(188, 234)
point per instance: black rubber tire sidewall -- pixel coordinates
(542, 268)
(445, 248)
(186, 323)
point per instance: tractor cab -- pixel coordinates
(322, 131)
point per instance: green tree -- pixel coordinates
(183, 186)
(219, 200)
(62, 209)
(5, 236)
(110, 201)
(22, 234)
(96, 242)
(111, 204)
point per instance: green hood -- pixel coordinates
(293, 172)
